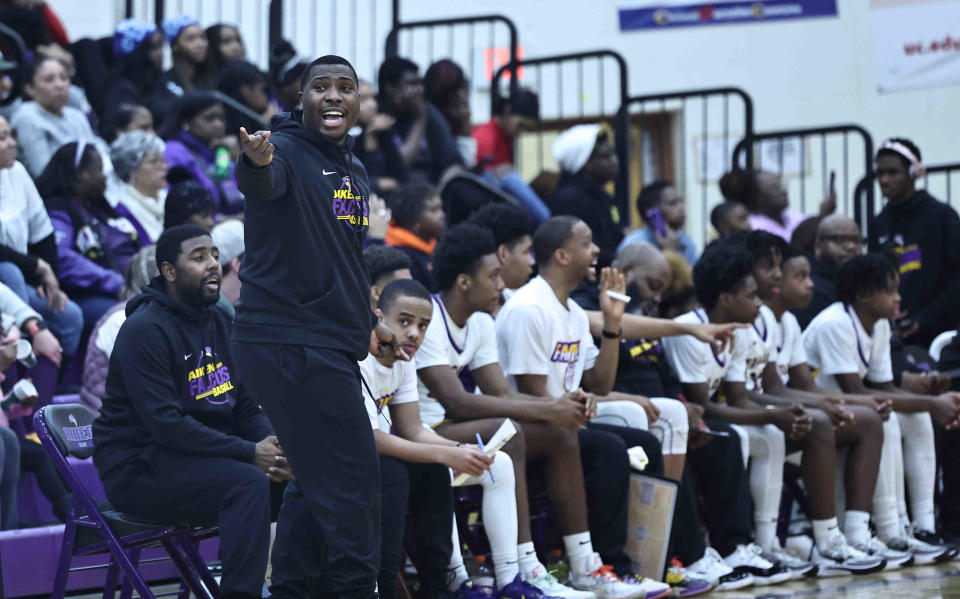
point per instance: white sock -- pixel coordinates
(823, 530)
(767, 452)
(579, 551)
(856, 526)
(527, 555)
(766, 532)
(885, 515)
(919, 464)
(456, 571)
(500, 519)
(456, 575)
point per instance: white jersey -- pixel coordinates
(697, 362)
(759, 341)
(464, 349)
(789, 345)
(836, 343)
(389, 386)
(536, 334)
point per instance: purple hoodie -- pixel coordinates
(115, 241)
(186, 151)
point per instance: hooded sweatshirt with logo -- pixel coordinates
(306, 218)
(171, 385)
(921, 235)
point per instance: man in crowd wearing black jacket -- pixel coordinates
(586, 156)
(920, 233)
(837, 240)
(178, 437)
(304, 321)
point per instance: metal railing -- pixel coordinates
(14, 50)
(568, 105)
(707, 125)
(479, 44)
(231, 104)
(786, 153)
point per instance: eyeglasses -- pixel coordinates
(842, 239)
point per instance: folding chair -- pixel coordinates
(67, 430)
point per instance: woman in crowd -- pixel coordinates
(94, 242)
(46, 122)
(140, 165)
(247, 84)
(445, 85)
(188, 46)
(125, 118)
(28, 257)
(763, 195)
(138, 273)
(195, 141)
(374, 144)
(226, 45)
(138, 77)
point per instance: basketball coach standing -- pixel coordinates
(303, 320)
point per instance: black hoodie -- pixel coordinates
(923, 235)
(579, 196)
(170, 386)
(305, 220)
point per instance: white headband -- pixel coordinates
(81, 146)
(918, 169)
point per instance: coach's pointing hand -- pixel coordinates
(257, 147)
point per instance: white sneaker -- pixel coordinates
(607, 585)
(840, 559)
(798, 568)
(711, 567)
(551, 587)
(749, 558)
(895, 558)
(923, 553)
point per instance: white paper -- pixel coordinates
(491, 447)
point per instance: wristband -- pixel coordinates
(35, 327)
(610, 334)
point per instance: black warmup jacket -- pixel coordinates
(172, 385)
(922, 235)
(305, 221)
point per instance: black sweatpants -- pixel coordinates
(948, 453)
(606, 476)
(35, 460)
(430, 507)
(312, 397)
(298, 551)
(722, 480)
(204, 491)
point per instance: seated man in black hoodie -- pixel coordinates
(178, 438)
(837, 240)
(920, 233)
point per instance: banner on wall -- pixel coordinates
(916, 42)
(722, 13)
